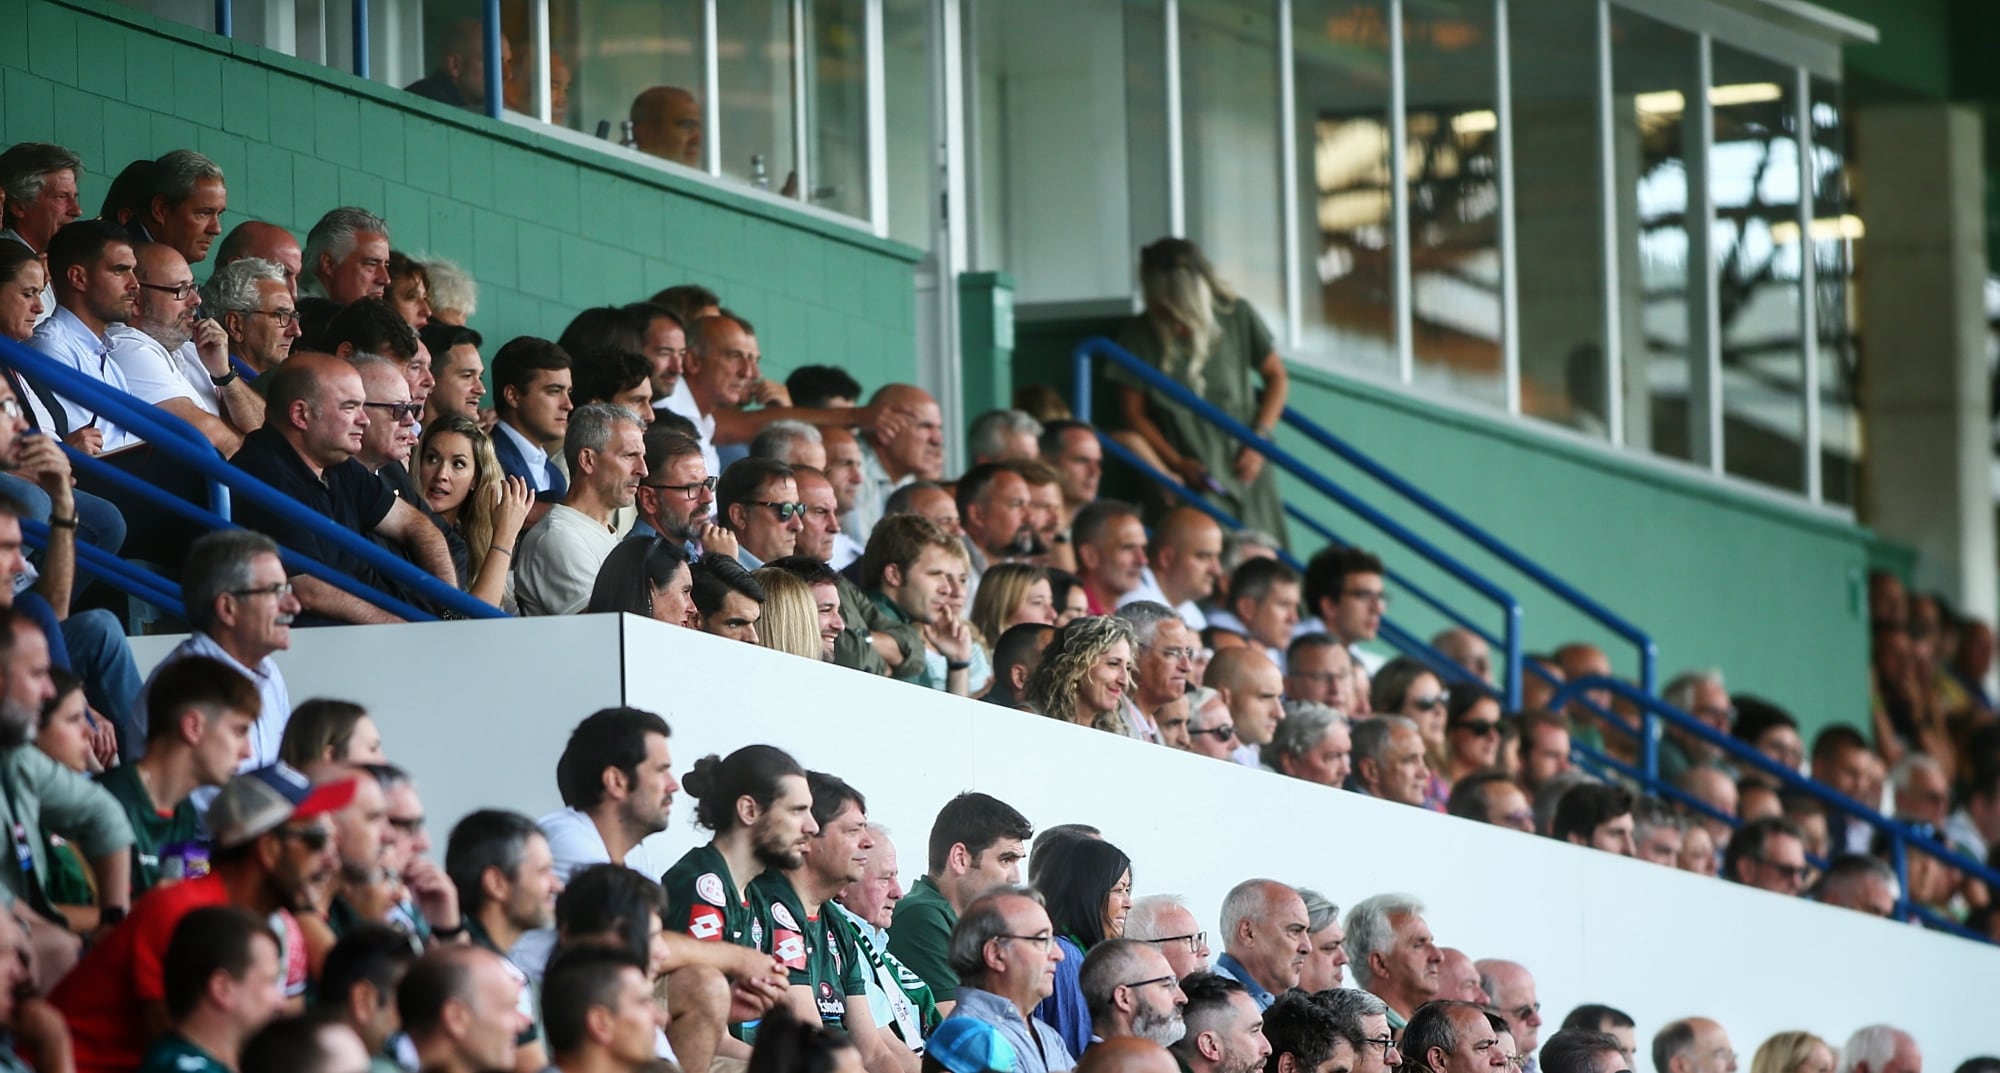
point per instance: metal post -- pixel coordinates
(1511, 635)
(1510, 285)
(1607, 190)
(711, 90)
(1176, 157)
(544, 102)
(802, 121)
(1704, 354)
(1399, 193)
(496, 93)
(1288, 141)
(1649, 745)
(225, 18)
(1808, 286)
(875, 63)
(359, 9)
(1899, 858)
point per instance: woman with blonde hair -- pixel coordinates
(460, 478)
(1793, 1052)
(1196, 330)
(1085, 673)
(1010, 594)
(790, 622)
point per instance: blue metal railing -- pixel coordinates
(159, 429)
(1654, 712)
(127, 577)
(1510, 638)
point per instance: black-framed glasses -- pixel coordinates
(1372, 596)
(1170, 980)
(1225, 732)
(1042, 941)
(1479, 727)
(279, 589)
(409, 825)
(1794, 873)
(312, 838)
(1194, 942)
(399, 412)
(691, 491)
(283, 317)
(1387, 1043)
(181, 291)
(786, 511)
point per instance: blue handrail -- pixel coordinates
(1653, 710)
(158, 429)
(1101, 348)
(1569, 594)
(1401, 581)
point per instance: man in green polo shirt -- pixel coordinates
(222, 985)
(909, 571)
(977, 843)
(197, 732)
(804, 930)
(757, 803)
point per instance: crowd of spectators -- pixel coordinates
(641, 462)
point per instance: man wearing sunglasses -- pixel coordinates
(273, 853)
(757, 499)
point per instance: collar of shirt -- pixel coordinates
(986, 1006)
(878, 936)
(1263, 997)
(531, 452)
(747, 560)
(70, 324)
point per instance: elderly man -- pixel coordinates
(1451, 1037)
(1391, 953)
(902, 1002)
(1468, 650)
(1003, 951)
(666, 123)
(178, 363)
(1389, 759)
(1582, 660)
(1210, 730)
(1713, 787)
(1658, 832)
(1130, 990)
(558, 559)
(252, 300)
(1313, 744)
(1163, 653)
(1458, 978)
(1693, 1045)
(1003, 436)
(1253, 689)
(1164, 921)
(1511, 990)
(37, 197)
(757, 500)
(1265, 938)
(1704, 695)
(1225, 1027)
(347, 257)
(909, 448)
(315, 417)
(1184, 563)
(1881, 1049)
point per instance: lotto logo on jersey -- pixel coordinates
(789, 947)
(705, 923)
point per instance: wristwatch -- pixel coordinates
(226, 380)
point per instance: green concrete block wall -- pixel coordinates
(547, 228)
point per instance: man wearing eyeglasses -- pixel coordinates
(1165, 662)
(251, 298)
(273, 851)
(1452, 1037)
(1769, 854)
(1363, 1018)
(677, 498)
(1210, 732)
(176, 358)
(757, 499)
(1130, 990)
(1004, 953)
(1344, 595)
(1511, 988)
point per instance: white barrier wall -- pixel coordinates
(480, 712)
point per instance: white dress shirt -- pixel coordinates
(156, 375)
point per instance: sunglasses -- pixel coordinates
(1225, 732)
(1431, 703)
(312, 838)
(1479, 727)
(786, 511)
(399, 412)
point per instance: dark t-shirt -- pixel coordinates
(346, 494)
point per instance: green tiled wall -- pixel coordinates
(547, 228)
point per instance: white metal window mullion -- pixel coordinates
(1399, 197)
(1288, 119)
(1808, 286)
(1510, 286)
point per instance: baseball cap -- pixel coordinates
(967, 1045)
(258, 802)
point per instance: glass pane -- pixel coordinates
(754, 61)
(1452, 164)
(1230, 131)
(913, 165)
(1559, 210)
(837, 104)
(1653, 73)
(1834, 231)
(638, 75)
(1753, 175)
(1341, 74)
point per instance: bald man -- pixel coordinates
(666, 123)
(1253, 690)
(1183, 565)
(1511, 991)
(1265, 940)
(1691, 1045)
(1458, 978)
(179, 361)
(460, 76)
(1127, 1054)
(255, 238)
(1467, 649)
(902, 442)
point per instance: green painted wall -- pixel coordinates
(1717, 576)
(545, 227)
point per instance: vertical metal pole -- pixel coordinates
(1288, 142)
(947, 375)
(544, 60)
(1649, 745)
(875, 63)
(1607, 192)
(1170, 10)
(1808, 286)
(1512, 636)
(1399, 194)
(359, 10)
(711, 90)
(1510, 284)
(1705, 410)
(225, 22)
(496, 94)
(802, 121)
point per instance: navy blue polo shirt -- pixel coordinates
(347, 494)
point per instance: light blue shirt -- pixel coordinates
(1258, 994)
(64, 338)
(1038, 1048)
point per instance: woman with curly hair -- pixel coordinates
(461, 480)
(1010, 594)
(1085, 673)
